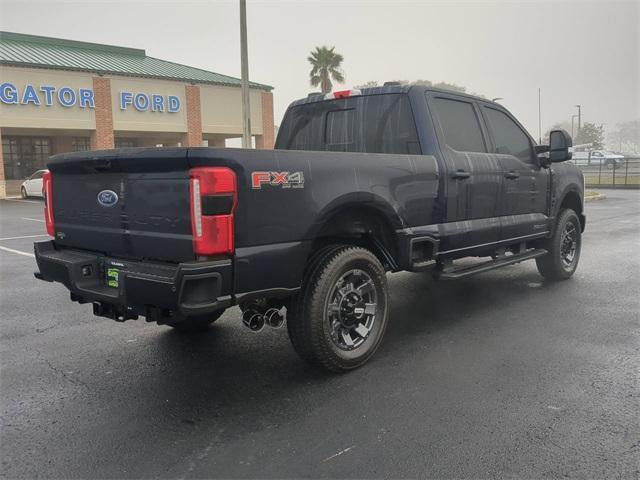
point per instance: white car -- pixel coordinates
(597, 157)
(32, 186)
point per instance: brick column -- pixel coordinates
(267, 139)
(3, 189)
(102, 137)
(193, 137)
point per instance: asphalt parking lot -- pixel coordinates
(499, 375)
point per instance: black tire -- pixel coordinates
(560, 263)
(198, 323)
(298, 340)
(340, 335)
(23, 193)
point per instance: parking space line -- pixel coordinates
(33, 219)
(21, 201)
(23, 236)
(17, 252)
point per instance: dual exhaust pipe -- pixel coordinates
(255, 321)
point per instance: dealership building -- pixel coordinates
(62, 96)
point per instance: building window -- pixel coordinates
(24, 155)
(80, 144)
(125, 142)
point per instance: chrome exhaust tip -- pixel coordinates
(274, 318)
(253, 320)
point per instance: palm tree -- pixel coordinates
(326, 67)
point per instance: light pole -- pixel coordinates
(573, 117)
(539, 117)
(244, 67)
(579, 117)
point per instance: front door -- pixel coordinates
(474, 177)
(525, 192)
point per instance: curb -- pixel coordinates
(593, 198)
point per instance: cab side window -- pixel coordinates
(508, 136)
(460, 125)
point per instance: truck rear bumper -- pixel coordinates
(158, 291)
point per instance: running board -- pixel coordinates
(467, 271)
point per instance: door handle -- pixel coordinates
(460, 175)
(512, 175)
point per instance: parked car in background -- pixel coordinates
(597, 157)
(32, 186)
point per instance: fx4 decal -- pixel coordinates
(277, 179)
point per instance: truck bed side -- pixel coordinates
(277, 223)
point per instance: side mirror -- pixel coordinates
(559, 144)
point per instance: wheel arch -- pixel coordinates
(364, 220)
(572, 199)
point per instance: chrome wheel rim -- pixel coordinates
(568, 245)
(352, 309)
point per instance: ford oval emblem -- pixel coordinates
(107, 198)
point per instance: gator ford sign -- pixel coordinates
(46, 95)
(155, 103)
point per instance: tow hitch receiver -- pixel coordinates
(102, 309)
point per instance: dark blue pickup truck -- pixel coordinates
(361, 183)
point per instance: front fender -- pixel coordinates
(568, 190)
(566, 179)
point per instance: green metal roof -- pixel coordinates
(45, 52)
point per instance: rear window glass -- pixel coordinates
(460, 125)
(370, 123)
(339, 129)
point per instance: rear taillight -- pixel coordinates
(213, 198)
(47, 193)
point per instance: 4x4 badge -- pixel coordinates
(277, 179)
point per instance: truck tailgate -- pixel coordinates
(128, 203)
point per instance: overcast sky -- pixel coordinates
(577, 52)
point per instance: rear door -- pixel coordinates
(473, 178)
(524, 198)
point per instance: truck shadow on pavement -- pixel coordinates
(229, 368)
